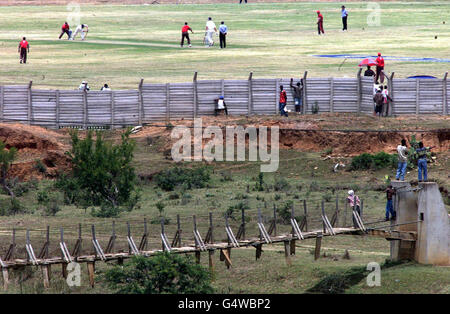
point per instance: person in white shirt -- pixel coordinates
(105, 88)
(83, 29)
(210, 31)
(402, 160)
(84, 86)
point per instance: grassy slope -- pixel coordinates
(270, 274)
(126, 43)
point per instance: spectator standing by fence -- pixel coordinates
(379, 101)
(389, 205)
(223, 30)
(185, 34)
(84, 86)
(282, 102)
(105, 88)
(297, 91)
(380, 69)
(344, 15)
(320, 23)
(422, 161)
(402, 160)
(387, 99)
(65, 30)
(24, 49)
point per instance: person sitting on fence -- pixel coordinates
(379, 101)
(105, 88)
(297, 91)
(369, 72)
(354, 203)
(389, 206)
(221, 106)
(283, 99)
(84, 86)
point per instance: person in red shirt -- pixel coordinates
(320, 23)
(282, 103)
(65, 30)
(380, 68)
(24, 48)
(185, 34)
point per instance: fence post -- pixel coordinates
(277, 96)
(167, 102)
(250, 93)
(305, 94)
(2, 100)
(140, 103)
(444, 98)
(85, 114)
(113, 108)
(30, 104)
(57, 109)
(417, 96)
(391, 93)
(359, 89)
(331, 95)
(194, 81)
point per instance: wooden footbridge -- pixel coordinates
(196, 244)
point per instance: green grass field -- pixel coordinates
(126, 43)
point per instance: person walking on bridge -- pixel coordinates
(355, 203)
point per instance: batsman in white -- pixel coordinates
(83, 29)
(210, 31)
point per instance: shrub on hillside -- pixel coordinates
(185, 177)
(163, 273)
(377, 161)
(102, 174)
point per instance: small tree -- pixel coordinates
(162, 273)
(102, 174)
(6, 159)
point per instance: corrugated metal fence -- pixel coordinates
(163, 102)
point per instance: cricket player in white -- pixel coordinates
(210, 30)
(83, 29)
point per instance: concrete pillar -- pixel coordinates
(405, 205)
(433, 238)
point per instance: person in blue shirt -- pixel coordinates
(422, 161)
(344, 18)
(223, 30)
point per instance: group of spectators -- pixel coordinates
(297, 93)
(84, 86)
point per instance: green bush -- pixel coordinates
(281, 184)
(377, 161)
(284, 212)
(187, 178)
(237, 208)
(11, 206)
(163, 273)
(102, 174)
